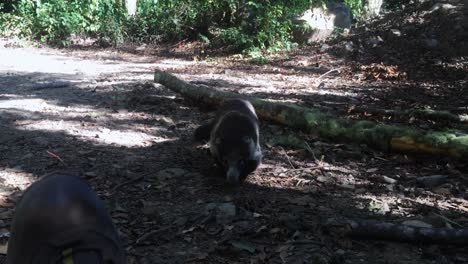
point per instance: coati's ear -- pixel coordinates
(217, 141)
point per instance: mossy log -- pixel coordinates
(436, 115)
(380, 136)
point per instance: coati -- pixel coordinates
(234, 139)
(59, 217)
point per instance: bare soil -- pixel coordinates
(97, 112)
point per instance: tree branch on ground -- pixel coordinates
(380, 136)
(435, 115)
(373, 229)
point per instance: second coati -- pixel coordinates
(234, 139)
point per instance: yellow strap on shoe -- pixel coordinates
(68, 256)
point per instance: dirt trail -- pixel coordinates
(97, 113)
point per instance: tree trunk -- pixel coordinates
(131, 6)
(384, 137)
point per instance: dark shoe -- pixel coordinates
(61, 220)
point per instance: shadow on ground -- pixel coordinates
(138, 137)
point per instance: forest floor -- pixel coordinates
(97, 112)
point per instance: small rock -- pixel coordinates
(349, 187)
(443, 191)
(389, 180)
(243, 245)
(275, 230)
(228, 209)
(91, 174)
(166, 121)
(325, 47)
(323, 179)
(349, 46)
(340, 252)
(432, 181)
(396, 32)
(141, 48)
(224, 212)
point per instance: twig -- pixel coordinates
(307, 168)
(328, 72)
(118, 186)
(380, 158)
(287, 157)
(448, 220)
(318, 162)
(55, 156)
(152, 233)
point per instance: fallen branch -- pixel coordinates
(371, 229)
(50, 85)
(151, 233)
(55, 156)
(436, 115)
(384, 137)
(120, 185)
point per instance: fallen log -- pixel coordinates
(375, 230)
(380, 136)
(435, 115)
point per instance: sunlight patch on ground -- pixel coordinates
(385, 204)
(27, 108)
(28, 60)
(40, 105)
(13, 178)
(101, 135)
(173, 64)
(273, 84)
(378, 204)
(42, 115)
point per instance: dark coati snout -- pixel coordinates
(239, 161)
(234, 139)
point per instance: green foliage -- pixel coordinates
(256, 55)
(239, 24)
(105, 20)
(54, 21)
(234, 37)
(6, 6)
(356, 6)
